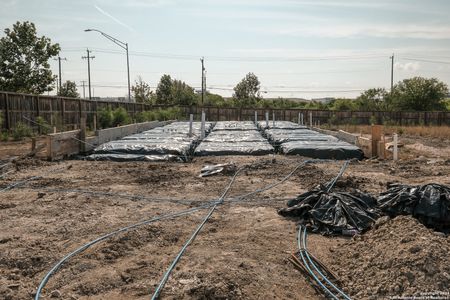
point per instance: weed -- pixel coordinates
(21, 131)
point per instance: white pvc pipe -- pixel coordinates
(395, 146)
(273, 118)
(310, 119)
(298, 120)
(301, 117)
(256, 117)
(267, 119)
(191, 120)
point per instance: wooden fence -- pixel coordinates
(65, 113)
(321, 116)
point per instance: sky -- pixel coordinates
(297, 48)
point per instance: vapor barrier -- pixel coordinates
(171, 142)
(234, 138)
(293, 139)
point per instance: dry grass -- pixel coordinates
(442, 132)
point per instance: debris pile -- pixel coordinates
(398, 258)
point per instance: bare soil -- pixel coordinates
(241, 253)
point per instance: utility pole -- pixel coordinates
(88, 57)
(59, 59)
(392, 72)
(83, 83)
(203, 79)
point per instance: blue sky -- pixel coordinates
(301, 48)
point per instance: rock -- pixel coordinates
(381, 221)
(55, 294)
(415, 249)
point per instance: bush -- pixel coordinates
(121, 117)
(105, 117)
(21, 130)
(145, 116)
(4, 136)
(44, 127)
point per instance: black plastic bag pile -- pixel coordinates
(333, 213)
(346, 213)
(429, 203)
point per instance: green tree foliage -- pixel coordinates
(419, 94)
(142, 92)
(164, 90)
(182, 93)
(68, 89)
(214, 100)
(174, 92)
(246, 92)
(372, 99)
(342, 104)
(120, 117)
(24, 59)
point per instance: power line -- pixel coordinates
(239, 58)
(427, 60)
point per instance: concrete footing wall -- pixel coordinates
(64, 144)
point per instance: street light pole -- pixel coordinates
(123, 45)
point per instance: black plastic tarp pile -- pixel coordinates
(429, 203)
(352, 212)
(333, 212)
(170, 142)
(234, 138)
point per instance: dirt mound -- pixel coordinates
(399, 258)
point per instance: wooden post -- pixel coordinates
(95, 122)
(62, 113)
(7, 116)
(49, 147)
(395, 147)
(376, 137)
(33, 144)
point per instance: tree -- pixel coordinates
(246, 92)
(68, 89)
(164, 90)
(419, 94)
(372, 99)
(182, 94)
(142, 92)
(176, 92)
(24, 59)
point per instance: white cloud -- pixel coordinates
(368, 30)
(409, 66)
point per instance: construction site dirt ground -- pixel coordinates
(241, 253)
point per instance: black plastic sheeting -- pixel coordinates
(429, 203)
(322, 149)
(171, 142)
(332, 213)
(234, 138)
(293, 139)
(235, 125)
(286, 125)
(135, 157)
